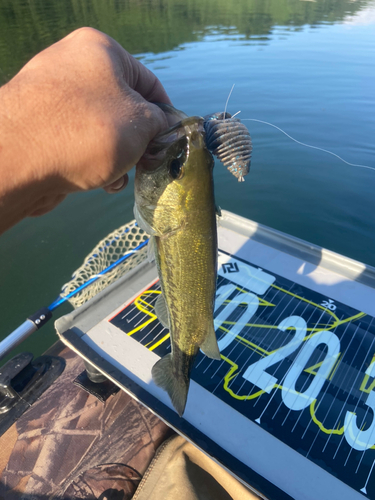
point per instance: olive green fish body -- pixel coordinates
(175, 203)
(187, 264)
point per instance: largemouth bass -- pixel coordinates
(174, 204)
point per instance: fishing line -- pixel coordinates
(292, 138)
(226, 104)
(308, 145)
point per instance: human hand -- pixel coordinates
(78, 116)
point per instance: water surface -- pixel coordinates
(305, 66)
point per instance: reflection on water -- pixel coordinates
(26, 27)
(364, 17)
(306, 66)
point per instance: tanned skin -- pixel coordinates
(78, 116)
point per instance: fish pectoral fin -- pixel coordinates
(209, 346)
(161, 311)
(141, 222)
(177, 386)
(151, 249)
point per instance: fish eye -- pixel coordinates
(175, 169)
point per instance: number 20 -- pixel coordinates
(293, 399)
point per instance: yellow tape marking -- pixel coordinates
(145, 307)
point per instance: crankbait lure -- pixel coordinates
(229, 140)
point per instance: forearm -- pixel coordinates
(28, 182)
(17, 189)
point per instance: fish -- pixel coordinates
(175, 205)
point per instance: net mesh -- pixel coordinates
(120, 251)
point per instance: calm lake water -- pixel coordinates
(305, 66)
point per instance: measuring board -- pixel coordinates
(290, 407)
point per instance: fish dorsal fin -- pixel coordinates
(176, 385)
(209, 346)
(141, 222)
(161, 311)
(151, 249)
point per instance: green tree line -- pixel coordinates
(156, 26)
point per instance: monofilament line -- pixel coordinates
(307, 145)
(226, 104)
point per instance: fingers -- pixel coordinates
(136, 121)
(147, 84)
(94, 111)
(135, 74)
(117, 186)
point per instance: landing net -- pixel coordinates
(118, 253)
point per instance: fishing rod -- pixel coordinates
(35, 321)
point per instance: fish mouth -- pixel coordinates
(173, 142)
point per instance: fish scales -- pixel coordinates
(174, 203)
(187, 263)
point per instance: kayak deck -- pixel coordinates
(288, 409)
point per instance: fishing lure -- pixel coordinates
(226, 137)
(229, 140)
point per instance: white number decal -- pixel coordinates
(299, 400)
(252, 302)
(256, 373)
(358, 439)
(222, 294)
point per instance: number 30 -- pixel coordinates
(361, 440)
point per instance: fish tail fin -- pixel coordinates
(176, 385)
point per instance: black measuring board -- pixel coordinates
(294, 361)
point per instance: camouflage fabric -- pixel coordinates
(68, 445)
